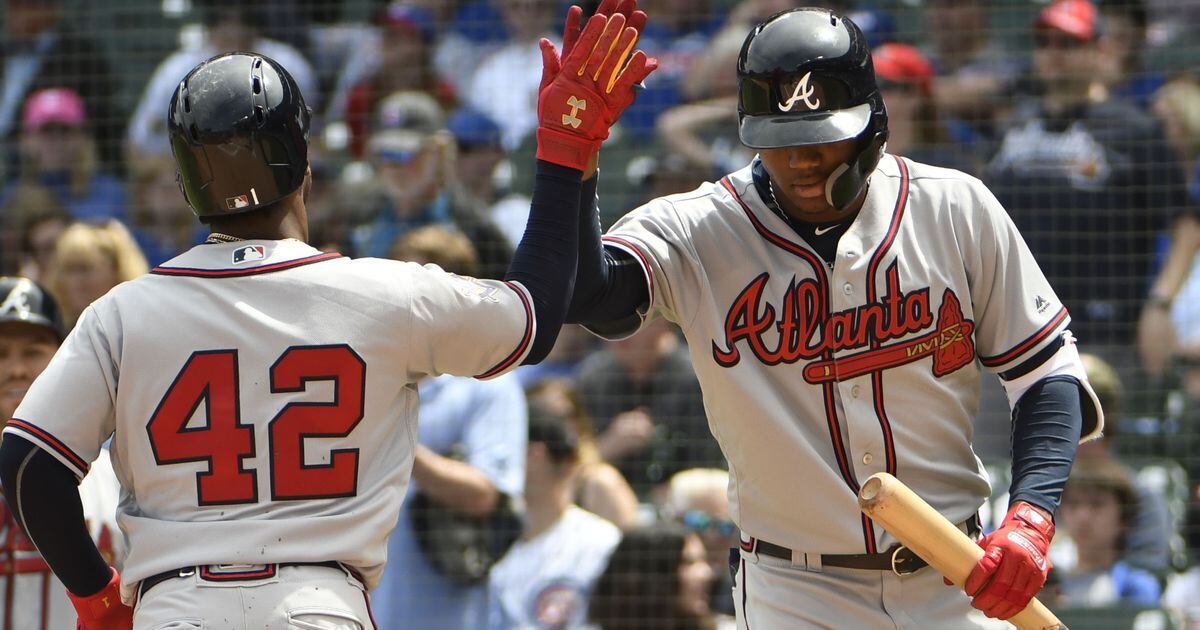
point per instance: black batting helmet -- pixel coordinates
(239, 131)
(23, 300)
(805, 77)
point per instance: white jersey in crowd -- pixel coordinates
(545, 582)
(33, 597)
(817, 376)
(261, 401)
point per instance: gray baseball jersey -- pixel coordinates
(816, 375)
(260, 397)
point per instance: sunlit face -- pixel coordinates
(1092, 516)
(798, 175)
(708, 515)
(85, 279)
(695, 578)
(25, 350)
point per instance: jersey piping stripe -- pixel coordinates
(745, 618)
(237, 273)
(885, 425)
(525, 339)
(1029, 342)
(835, 430)
(370, 613)
(628, 246)
(21, 426)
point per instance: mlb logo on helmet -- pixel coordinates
(249, 253)
(240, 201)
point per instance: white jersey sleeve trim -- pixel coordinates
(1065, 362)
(526, 343)
(626, 245)
(47, 442)
(1014, 356)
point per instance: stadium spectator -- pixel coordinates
(698, 498)
(1091, 183)
(1097, 513)
(645, 401)
(1123, 44)
(657, 578)
(1148, 541)
(506, 83)
(412, 185)
(474, 30)
(59, 153)
(42, 50)
(977, 75)
(1176, 291)
(599, 488)
(88, 261)
(1182, 595)
(545, 579)
(915, 126)
(32, 220)
(228, 25)
(161, 221)
(469, 463)
(400, 60)
(34, 597)
(479, 162)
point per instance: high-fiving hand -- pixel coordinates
(586, 90)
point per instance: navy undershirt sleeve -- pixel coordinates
(43, 496)
(609, 286)
(1047, 425)
(545, 260)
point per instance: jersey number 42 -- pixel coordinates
(224, 441)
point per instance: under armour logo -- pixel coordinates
(577, 105)
(17, 301)
(803, 92)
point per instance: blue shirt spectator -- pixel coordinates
(486, 421)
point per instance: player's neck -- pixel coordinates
(275, 224)
(542, 512)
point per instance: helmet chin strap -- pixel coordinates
(847, 181)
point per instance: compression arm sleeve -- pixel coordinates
(43, 496)
(544, 262)
(1047, 423)
(609, 287)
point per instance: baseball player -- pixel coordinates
(259, 393)
(839, 303)
(33, 599)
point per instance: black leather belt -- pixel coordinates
(268, 571)
(898, 559)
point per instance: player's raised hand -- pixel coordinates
(589, 90)
(634, 19)
(1014, 563)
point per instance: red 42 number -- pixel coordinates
(224, 442)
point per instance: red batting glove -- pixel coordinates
(1014, 563)
(634, 19)
(588, 89)
(104, 610)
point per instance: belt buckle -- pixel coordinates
(900, 572)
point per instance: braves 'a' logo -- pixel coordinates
(17, 300)
(801, 331)
(572, 120)
(803, 92)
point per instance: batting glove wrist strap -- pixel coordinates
(1014, 565)
(103, 610)
(565, 149)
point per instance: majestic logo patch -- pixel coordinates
(802, 333)
(1040, 303)
(803, 92)
(249, 253)
(572, 120)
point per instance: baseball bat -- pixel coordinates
(927, 533)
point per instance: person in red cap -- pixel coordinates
(59, 153)
(1090, 181)
(906, 79)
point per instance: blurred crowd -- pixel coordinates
(597, 467)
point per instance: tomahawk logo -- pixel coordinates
(803, 92)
